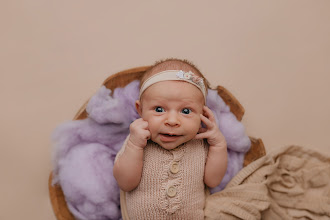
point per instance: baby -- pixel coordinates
(168, 158)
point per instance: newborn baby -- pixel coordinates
(169, 157)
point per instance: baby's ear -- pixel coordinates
(138, 107)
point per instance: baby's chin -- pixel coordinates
(168, 145)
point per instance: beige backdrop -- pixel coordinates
(274, 56)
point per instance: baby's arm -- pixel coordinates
(216, 163)
(128, 167)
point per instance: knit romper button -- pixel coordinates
(171, 191)
(174, 168)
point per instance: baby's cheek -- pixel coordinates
(193, 130)
(152, 130)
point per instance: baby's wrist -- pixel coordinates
(220, 144)
(134, 146)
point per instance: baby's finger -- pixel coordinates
(144, 124)
(146, 135)
(202, 130)
(206, 121)
(201, 135)
(208, 113)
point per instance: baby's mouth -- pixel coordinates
(169, 137)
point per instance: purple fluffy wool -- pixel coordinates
(238, 143)
(84, 153)
(84, 150)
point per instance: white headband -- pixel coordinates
(180, 75)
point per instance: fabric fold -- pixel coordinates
(291, 182)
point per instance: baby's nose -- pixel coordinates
(172, 119)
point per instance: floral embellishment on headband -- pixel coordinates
(190, 76)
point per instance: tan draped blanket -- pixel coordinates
(290, 183)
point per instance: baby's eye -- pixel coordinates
(159, 109)
(186, 111)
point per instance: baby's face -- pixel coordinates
(172, 110)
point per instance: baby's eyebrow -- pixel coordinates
(161, 100)
(189, 102)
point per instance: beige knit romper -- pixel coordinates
(172, 184)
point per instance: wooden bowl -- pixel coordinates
(121, 79)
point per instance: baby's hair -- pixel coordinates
(172, 64)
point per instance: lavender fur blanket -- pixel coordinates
(84, 150)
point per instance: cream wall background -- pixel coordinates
(274, 56)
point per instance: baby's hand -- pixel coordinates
(211, 132)
(139, 133)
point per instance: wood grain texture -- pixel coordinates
(121, 79)
(256, 151)
(57, 199)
